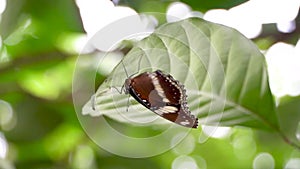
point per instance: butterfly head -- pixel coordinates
(127, 85)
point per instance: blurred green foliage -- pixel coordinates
(42, 130)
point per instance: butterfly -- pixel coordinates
(163, 95)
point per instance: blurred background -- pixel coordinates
(41, 40)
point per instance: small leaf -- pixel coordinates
(223, 72)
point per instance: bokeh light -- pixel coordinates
(292, 163)
(7, 119)
(298, 132)
(286, 27)
(201, 162)
(83, 157)
(234, 18)
(264, 161)
(186, 146)
(249, 16)
(177, 11)
(105, 11)
(284, 66)
(73, 43)
(2, 6)
(216, 132)
(213, 132)
(3, 146)
(243, 143)
(184, 162)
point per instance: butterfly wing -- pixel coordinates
(164, 96)
(176, 95)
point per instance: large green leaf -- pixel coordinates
(224, 74)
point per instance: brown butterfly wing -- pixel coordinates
(175, 93)
(163, 95)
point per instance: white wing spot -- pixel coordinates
(158, 111)
(166, 110)
(184, 123)
(170, 109)
(158, 88)
(166, 100)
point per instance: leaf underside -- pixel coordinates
(223, 72)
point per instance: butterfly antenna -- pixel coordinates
(125, 69)
(119, 91)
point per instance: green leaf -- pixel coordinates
(289, 118)
(224, 74)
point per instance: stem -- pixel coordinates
(288, 141)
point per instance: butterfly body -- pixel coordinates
(163, 95)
